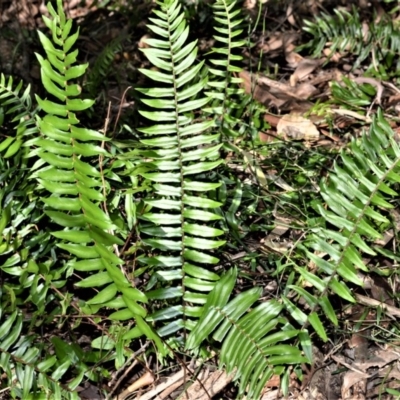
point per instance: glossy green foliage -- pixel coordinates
(345, 33)
(357, 197)
(76, 190)
(25, 367)
(31, 370)
(19, 106)
(256, 339)
(178, 219)
(352, 95)
(229, 100)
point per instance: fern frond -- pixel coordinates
(102, 66)
(346, 33)
(253, 341)
(74, 183)
(20, 106)
(177, 224)
(224, 84)
(30, 371)
(357, 195)
(351, 94)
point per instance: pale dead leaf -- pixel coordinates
(289, 15)
(280, 40)
(373, 82)
(272, 395)
(303, 70)
(293, 58)
(250, 4)
(365, 31)
(305, 91)
(351, 379)
(144, 380)
(171, 380)
(295, 127)
(275, 42)
(213, 384)
(170, 389)
(142, 44)
(332, 57)
(353, 114)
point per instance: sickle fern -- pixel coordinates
(27, 368)
(253, 336)
(223, 86)
(74, 183)
(180, 154)
(357, 195)
(344, 32)
(180, 220)
(20, 106)
(180, 151)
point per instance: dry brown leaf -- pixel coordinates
(280, 40)
(293, 59)
(353, 380)
(213, 384)
(259, 93)
(22, 11)
(389, 310)
(380, 359)
(304, 69)
(295, 127)
(305, 91)
(289, 14)
(277, 94)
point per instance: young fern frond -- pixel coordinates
(177, 223)
(357, 195)
(223, 85)
(74, 184)
(102, 66)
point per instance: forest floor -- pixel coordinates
(317, 95)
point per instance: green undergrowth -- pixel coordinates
(344, 33)
(131, 240)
